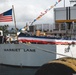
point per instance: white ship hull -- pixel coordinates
(33, 54)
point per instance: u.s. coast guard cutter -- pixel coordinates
(35, 50)
(32, 50)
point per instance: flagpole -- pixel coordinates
(14, 21)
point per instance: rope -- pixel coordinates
(48, 51)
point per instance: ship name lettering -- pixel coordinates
(29, 50)
(16, 50)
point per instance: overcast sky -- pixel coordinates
(27, 10)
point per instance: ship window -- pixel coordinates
(62, 26)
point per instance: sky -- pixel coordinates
(28, 10)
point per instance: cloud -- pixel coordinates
(3, 1)
(28, 10)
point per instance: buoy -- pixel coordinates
(62, 66)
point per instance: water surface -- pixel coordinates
(9, 70)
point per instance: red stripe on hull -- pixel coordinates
(46, 42)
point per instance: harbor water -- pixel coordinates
(9, 70)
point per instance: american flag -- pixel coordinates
(6, 16)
